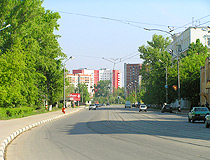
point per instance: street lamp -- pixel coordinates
(9, 25)
(166, 86)
(64, 106)
(148, 29)
(135, 91)
(111, 75)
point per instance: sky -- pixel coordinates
(96, 32)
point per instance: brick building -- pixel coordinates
(132, 77)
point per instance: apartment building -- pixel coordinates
(102, 74)
(87, 72)
(117, 80)
(132, 77)
(181, 42)
(75, 79)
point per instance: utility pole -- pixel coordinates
(111, 72)
(178, 59)
(166, 86)
(64, 67)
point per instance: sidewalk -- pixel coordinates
(9, 129)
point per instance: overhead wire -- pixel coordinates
(128, 22)
(191, 22)
(203, 23)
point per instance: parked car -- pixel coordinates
(97, 105)
(128, 104)
(142, 107)
(166, 108)
(133, 105)
(198, 113)
(92, 107)
(207, 121)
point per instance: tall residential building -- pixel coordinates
(132, 77)
(102, 74)
(75, 79)
(87, 72)
(117, 80)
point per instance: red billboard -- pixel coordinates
(74, 96)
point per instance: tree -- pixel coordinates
(156, 58)
(190, 71)
(102, 88)
(69, 89)
(31, 67)
(83, 90)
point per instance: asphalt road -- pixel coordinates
(114, 133)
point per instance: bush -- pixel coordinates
(60, 105)
(3, 113)
(15, 112)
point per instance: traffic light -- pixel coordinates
(174, 87)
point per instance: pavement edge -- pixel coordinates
(16, 133)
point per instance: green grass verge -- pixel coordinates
(11, 113)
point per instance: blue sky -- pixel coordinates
(89, 37)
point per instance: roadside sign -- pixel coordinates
(74, 96)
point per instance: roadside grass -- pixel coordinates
(12, 113)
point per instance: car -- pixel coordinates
(207, 121)
(97, 105)
(128, 104)
(166, 108)
(142, 107)
(133, 105)
(198, 113)
(92, 107)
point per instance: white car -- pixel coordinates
(92, 107)
(207, 121)
(142, 107)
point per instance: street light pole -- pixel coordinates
(111, 72)
(178, 79)
(178, 59)
(64, 105)
(148, 29)
(166, 86)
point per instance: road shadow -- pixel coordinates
(165, 128)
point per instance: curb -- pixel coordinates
(16, 133)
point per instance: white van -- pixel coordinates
(128, 104)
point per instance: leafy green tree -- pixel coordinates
(102, 88)
(156, 58)
(131, 97)
(83, 90)
(119, 92)
(190, 71)
(69, 89)
(31, 67)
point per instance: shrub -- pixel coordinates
(15, 112)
